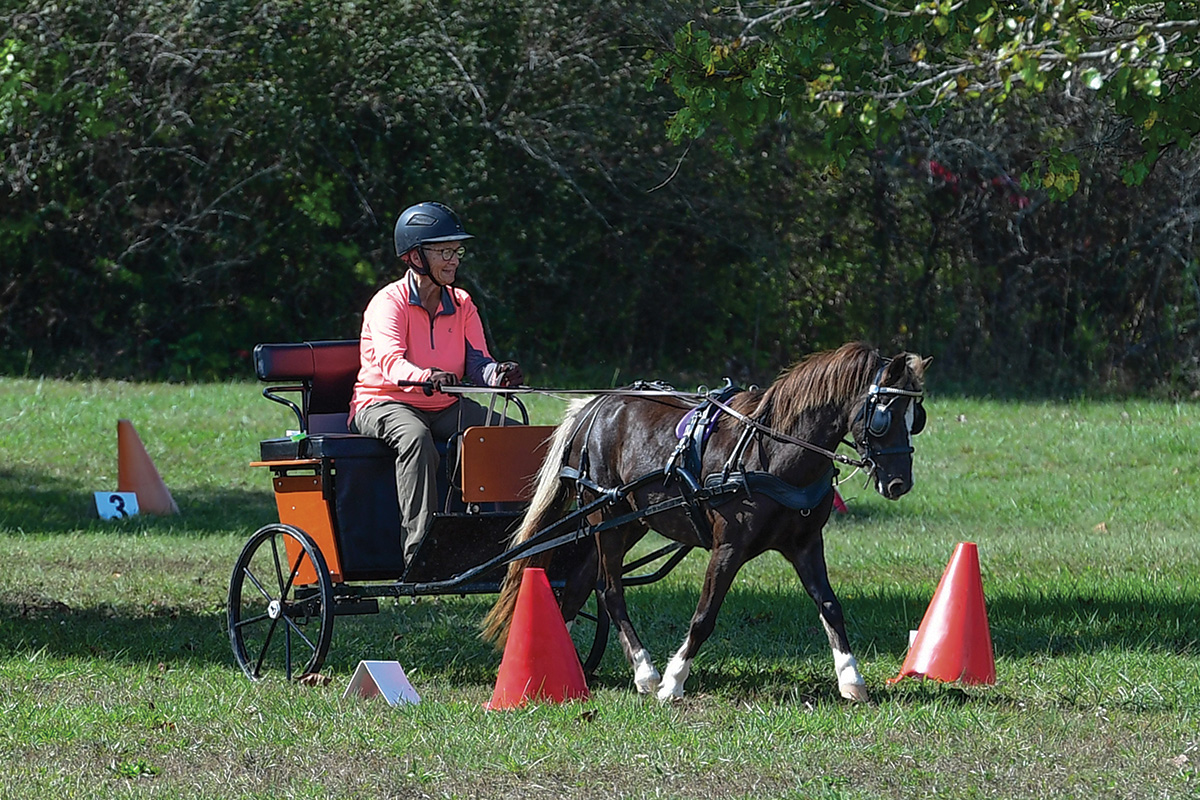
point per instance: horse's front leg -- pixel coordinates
(723, 565)
(810, 566)
(612, 547)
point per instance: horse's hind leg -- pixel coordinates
(810, 566)
(579, 584)
(612, 547)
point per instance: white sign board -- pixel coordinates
(116, 505)
(385, 678)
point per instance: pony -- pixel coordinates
(760, 477)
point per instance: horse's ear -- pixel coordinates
(895, 369)
(918, 365)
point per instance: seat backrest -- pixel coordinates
(322, 372)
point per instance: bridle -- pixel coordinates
(877, 418)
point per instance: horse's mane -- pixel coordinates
(830, 377)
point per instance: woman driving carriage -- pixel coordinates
(422, 330)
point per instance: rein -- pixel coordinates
(658, 390)
(667, 392)
(780, 436)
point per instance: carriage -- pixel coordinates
(337, 546)
(735, 472)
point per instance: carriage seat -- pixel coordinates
(322, 374)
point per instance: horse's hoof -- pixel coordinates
(645, 677)
(667, 695)
(854, 692)
(648, 684)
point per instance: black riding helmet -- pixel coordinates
(425, 223)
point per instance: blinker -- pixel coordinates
(880, 420)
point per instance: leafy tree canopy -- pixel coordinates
(855, 71)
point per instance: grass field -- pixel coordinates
(116, 677)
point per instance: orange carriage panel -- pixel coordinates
(500, 463)
(301, 502)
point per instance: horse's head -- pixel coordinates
(890, 413)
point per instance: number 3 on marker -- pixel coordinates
(118, 503)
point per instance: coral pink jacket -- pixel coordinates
(400, 342)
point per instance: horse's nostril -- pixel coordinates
(896, 487)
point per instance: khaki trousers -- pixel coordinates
(411, 432)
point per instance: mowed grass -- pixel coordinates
(117, 680)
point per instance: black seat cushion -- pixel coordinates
(326, 445)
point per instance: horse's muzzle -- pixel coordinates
(893, 489)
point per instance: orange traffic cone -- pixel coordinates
(954, 642)
(136, 473)
(539, 660)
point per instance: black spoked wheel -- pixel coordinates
(590, 633)
(280, 604)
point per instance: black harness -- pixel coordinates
(689, 453)
(685, 464)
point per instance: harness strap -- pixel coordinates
(690, 496)
(689, 488)
(690, 450)
(583, 481)
(735, 456)
(699, 424)
(799, 498)
(716, 491)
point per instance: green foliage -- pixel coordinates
(1057, 173)
(182, 180)
(261, 152)
(862, 68)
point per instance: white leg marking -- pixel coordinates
(676, 675)
(645, 676)
(850, 681)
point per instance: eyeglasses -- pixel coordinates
(447, 253)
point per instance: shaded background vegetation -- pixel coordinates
(182, 179)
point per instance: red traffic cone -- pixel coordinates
(839, 505)
(954, 642)
(136, 473)
(539, 660)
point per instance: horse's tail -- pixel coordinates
(550, 500)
